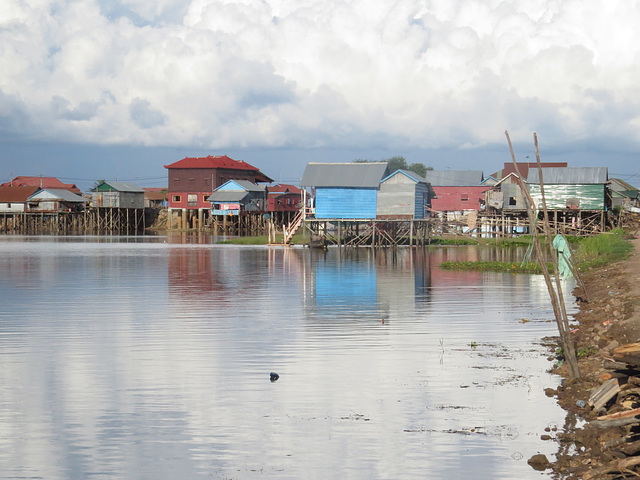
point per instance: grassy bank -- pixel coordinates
(602, 249)
(589, 252)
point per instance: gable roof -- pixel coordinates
(366, 175)
(119, 187)
(283, 188)
(569, 175)
(16, 194)
(239, 185)
(41, 182)
(408, 173)
(58, 194)
(219, 162)
(454, 178)
(211, 161)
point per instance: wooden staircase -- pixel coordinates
(293, 227)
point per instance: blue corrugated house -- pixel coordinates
(345, 190)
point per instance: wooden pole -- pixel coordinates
(557, 300)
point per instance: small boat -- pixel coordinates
(318, 241)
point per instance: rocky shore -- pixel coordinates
(608, 318)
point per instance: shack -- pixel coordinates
(117, 195)
(622, 194)
(52, 200)
(457, 191)
(345, 190)
(403, 194)
(14, 199)
(570, 188)
(237, 197)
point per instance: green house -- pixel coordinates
(570, 188)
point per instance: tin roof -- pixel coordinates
(454, 178)
(282, 188)
(569, 175)
(42, 182)
(217, 161)
(228, 196)
(245, 186)
(121, 187)
(58, 194)
(344, 174)
(412, 175)
(16, 194)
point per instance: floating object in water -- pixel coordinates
(274, 376)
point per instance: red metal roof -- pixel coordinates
(42, 182)
(16, 194)
(219, 161)
(282, 188)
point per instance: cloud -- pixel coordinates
(220, 73)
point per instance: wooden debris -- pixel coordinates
(601, 396)
(621, 394)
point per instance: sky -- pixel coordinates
(96, 89)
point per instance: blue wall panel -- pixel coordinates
(346, 202)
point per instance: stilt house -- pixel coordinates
(345, 190)
(118, 195)
(570, 188)
(403, 194)
(236, 197)
(55, 200)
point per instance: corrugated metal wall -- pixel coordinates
(346, 202)
(588, 197)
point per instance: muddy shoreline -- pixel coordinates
(608, 317)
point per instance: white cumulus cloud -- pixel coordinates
(222, 73)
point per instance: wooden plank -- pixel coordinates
(600, 396)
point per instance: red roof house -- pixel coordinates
(193, 179)
(41, 182)
(284, 198)
(14, 199)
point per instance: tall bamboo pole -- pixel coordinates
(557, 299)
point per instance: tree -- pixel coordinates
(400, 163)
(419, 168)
(97, 183)
(397, 163)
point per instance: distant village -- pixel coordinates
(203, 192)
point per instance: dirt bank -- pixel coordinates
(609, 316)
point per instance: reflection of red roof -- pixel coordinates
(281, 189)
(219, 161)
(16, 194)
(42, 182)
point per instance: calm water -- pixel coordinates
(125, 358)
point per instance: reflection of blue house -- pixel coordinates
(346, 286)
(345, 190)
(236, 196)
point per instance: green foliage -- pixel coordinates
(603, 249)
(418, 168)
(397, 163)
(97, 183)
(400, 163)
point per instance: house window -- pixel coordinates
(192, 200)
(205, 197)
(512, 201)
(176, 198)
(464, 197)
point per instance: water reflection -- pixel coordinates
(151, 359)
